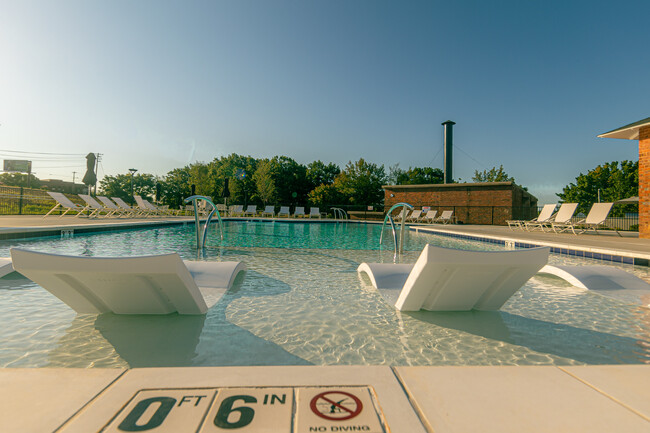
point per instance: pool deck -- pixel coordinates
(384, 399)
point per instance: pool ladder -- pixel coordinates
(339, 213)
(388, 217)
(201, 235)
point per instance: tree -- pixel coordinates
(290, 177)
(20, 179)
(144, 185)
(239, 169)
(492, 175)
(318, 173)
(415, 176)
(324, 196)
(175, 187)
(614, 182)
(264, 183)
(361, 183)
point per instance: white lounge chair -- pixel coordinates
(97, 208)
(563, 216)
(124, 206)
(108, 204)
(284, 211)
(445, 279)
(251, 210)
(6, 266)
(415, 215)
(595, 218)
(129, 285)
(269, 210)
(159, 210)
(299, 212)
(236, 210)
(403, 213)
(446, 217)
(64, 202)
(430, 216)
(144, 209)
(314, 212)
(543, 219)
(546, 212)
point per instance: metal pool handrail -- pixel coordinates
(338, 212)
(201, 237)
(401, 233)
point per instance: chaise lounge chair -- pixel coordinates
(543, 219)
(314, 212)
(595, 218)
(402, 213)
(129, 285)
(251, 210)
(299, 212)
(446, 217)
(125, 207)
(64, 202)
(284, 211)
(415, 216)
(430, 216)
(445, 279)
(544, 215)
(108, 204)
(269, 210)
(97, 208)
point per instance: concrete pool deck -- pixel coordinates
(330, 398)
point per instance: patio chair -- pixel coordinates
(405, 213)
(64, 202)
(545, 214)
(91, 205)
(6, 266)
(145, 207)
(543, 219)
(563, 216)
(446, 217)
(269, 210)
(124, 206)
(430, 216)
(314, 212)
(160, 284)
(236, 210)
(251, 210)
(444, 279)
(299, 212)
(108, 204)
(596, 217)
(415, 215)
(284, 211)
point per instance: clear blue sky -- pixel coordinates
(155, 85)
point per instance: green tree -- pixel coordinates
(361, 183)
(264, 183)
(241, 187)
(614, 182)
(19, 179)
(324, 196)
(415, 175)
(492, 175)
(290, 177)
(144, 185)
(319, 173)
(175, 187)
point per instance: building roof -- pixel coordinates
(629, 132)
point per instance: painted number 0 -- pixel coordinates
(246, 414)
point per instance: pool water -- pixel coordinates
(301, 302)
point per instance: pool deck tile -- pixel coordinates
(42, 399)
(518, 399)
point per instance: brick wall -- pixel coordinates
(472, 203)
(644, 182)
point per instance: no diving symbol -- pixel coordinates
(336, 405)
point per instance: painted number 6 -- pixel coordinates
(246, 414)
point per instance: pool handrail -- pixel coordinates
(201, 238)
(338, 212)
(401, 233)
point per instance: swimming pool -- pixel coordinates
(301, 302)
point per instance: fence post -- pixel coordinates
(20, 202)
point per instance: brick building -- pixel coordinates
(639, 131)
(472, 203)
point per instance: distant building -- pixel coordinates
(473, 203)
(639, 131)
(58, 185)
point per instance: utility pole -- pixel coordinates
(99, 158)
(73, 176)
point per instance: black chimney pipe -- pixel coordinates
(449, 144)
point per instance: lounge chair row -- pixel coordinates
(107, 208)
(563, 220)
(430, 216)
(269, 211)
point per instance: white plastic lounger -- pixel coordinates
(430, 216)
(445, 279)
(284, 211)
(403, 213)
(144, 209)
(446, 217)
(251, 210)
(269, 210)
(95, 206)
(129, 285)
(108, 204)
(123, 205)
(543, 220)
(64, 202)
(564, 215)
(545, 214)
(604, 280)
(299, 212)
(415, 215)
(314, 212)
(5, 266)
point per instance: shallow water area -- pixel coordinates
(302, 302)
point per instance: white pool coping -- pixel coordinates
(396, 399)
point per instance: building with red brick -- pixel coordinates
(472, 203)
(639, 131)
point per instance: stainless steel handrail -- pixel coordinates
(338, 212)
(202, 236)
(404, 206)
